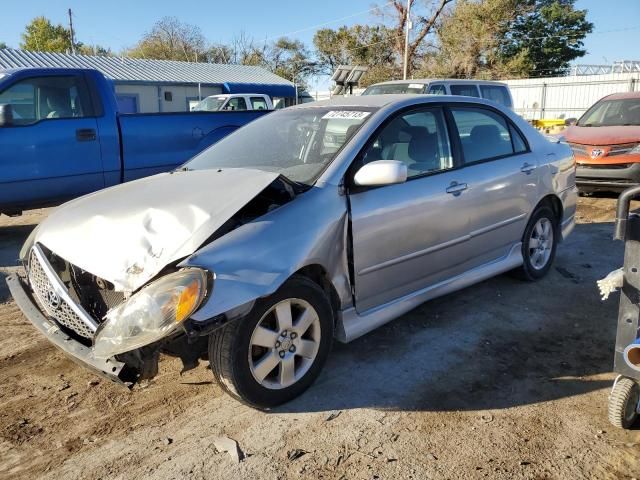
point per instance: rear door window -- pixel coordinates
(496, 93)
(437, 89)
(466, 90)
(485, 134)
(236, 103)
(259, 103)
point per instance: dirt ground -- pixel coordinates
(501, 380)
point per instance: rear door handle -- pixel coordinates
(85, 134)
(456, 188)
(527, 168)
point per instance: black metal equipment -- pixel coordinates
(624, 400)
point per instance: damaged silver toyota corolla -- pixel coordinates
(312, 223)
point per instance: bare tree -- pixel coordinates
(170, 39)
(424, 14)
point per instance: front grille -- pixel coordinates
(622, 149)
(605, 166)
(578, 149)
(51, 303)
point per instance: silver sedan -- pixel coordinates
(317, 222)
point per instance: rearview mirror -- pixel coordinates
(6, 115)
(570, 121)
(381, 172)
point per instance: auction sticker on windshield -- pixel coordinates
(351, 114)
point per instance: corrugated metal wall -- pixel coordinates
(566, 97)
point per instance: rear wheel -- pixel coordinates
(276, 352)
(539, 244)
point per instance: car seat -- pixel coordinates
(422, 150)
(57, 102)
(485, 142)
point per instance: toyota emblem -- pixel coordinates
(596, 152)
(53, 299)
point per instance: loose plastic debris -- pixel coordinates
(611, 283)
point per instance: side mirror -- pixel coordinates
(570, 121)
(381, 172)
(6, 115)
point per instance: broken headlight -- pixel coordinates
(152, 313)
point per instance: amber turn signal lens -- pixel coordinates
(188, 301)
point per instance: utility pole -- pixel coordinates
(406, 39)
(73, 41)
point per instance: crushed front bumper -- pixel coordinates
(109, 368)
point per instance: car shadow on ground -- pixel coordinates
(498, 344)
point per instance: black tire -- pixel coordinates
(229, 347)
(527, 271)
(623, 402)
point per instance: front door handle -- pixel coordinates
(527, 168)
(85, 134)
(456, 188)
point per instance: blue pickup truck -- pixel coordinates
(61, 136)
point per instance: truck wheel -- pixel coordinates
(623, 403)
(276, 352)
(539, 244)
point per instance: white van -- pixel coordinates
(495, 91)
(234, 101)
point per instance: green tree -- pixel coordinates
(550, 34)
(170, 39)
(470, 40)
(43, 36)
(289, 59)
(3, 45)
(94, 50)
(357, 45)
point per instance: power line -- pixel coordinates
(328, 22)
(392, 37)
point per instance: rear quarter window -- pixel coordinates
(466, 90)
(496, 93)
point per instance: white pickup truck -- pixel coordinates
(234, 101)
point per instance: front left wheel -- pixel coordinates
(277, 351)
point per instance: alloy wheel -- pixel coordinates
(284, 343)
(541, 243)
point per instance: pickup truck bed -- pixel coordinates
(61, 137)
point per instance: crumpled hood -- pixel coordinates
(603, 135)
(128, 233)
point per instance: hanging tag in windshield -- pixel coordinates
(346, 114)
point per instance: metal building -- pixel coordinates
(149, 86)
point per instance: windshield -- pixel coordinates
(209, 104)
(608, 113)
(297, 143)
(392, 88)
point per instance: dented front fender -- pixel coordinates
(254, 260)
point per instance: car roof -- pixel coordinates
(425, 81)
(358, 101)
(622, 95)
(379, 101)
